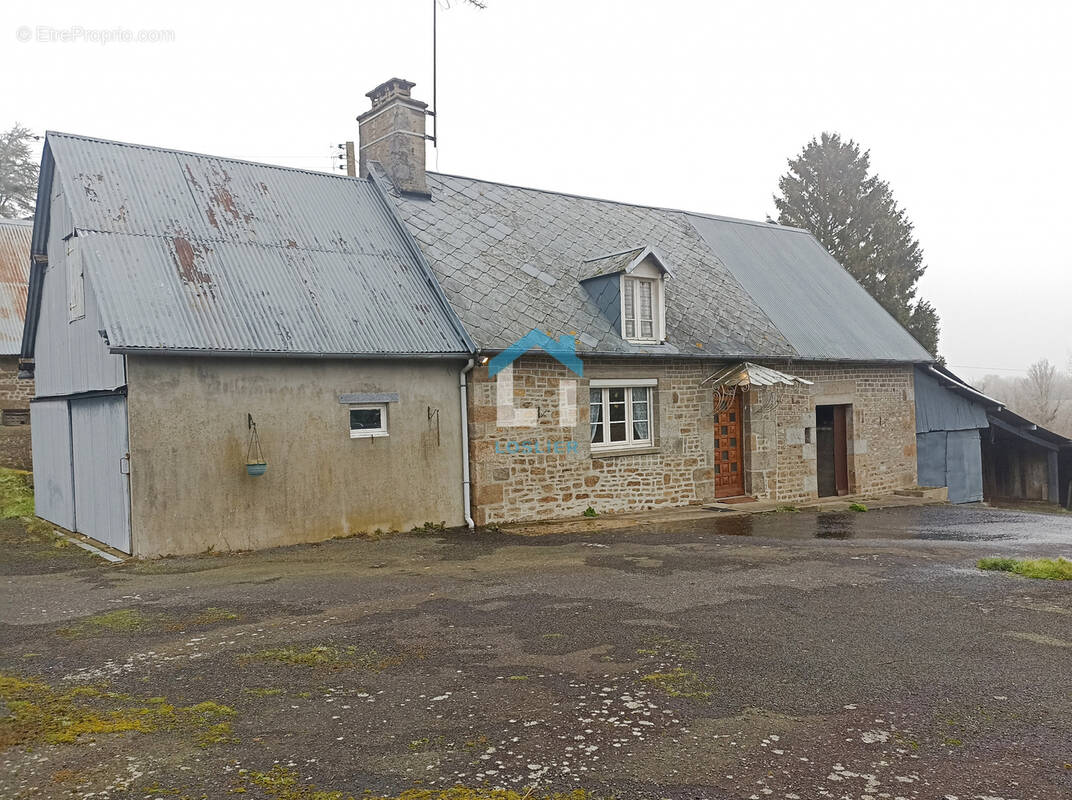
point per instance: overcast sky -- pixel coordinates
(695, 105)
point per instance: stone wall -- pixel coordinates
(780, 462)
(14, 393)
(512, 483)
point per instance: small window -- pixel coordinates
(620, 416)
(638, 309)
(368, 421)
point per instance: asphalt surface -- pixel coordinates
(790, 655)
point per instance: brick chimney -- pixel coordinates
(392, 133)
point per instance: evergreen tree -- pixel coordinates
(18, 172)
(830, 191)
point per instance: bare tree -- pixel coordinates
(1043, 396)
(1043, 386)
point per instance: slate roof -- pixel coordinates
(186, 252)
(608, 265)
(14, 277)
(511, 259)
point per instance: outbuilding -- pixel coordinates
(232, 355)
(981, 450)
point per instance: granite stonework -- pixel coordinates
(535, 471)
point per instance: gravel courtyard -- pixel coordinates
(787, 655)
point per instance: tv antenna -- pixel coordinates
(434, 113)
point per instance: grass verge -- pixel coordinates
(1051, 569)
(16, 494)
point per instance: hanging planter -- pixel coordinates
(255, 463)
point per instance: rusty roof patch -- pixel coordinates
(14, 275)
(187, 257)
(189, 252)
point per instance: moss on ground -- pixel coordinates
(1053, 569)
(331, 657)
(122, 620)
(127, 621)
(280, 783)
(680, 683)
(38, 713)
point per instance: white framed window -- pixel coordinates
(620, 416)
(368, 420)
(640, 309)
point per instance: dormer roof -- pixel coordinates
(624, 261)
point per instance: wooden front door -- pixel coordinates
(729, 464)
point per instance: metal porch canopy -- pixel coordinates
(746, 374)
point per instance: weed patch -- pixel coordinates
(122, 620)
(329, 657)
(40, 713)
(210, 616)
(126, 621)
(680, 683)
(858, 507)
(1053, 569)
(16, 494)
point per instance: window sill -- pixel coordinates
(612, 452)
(369, 435)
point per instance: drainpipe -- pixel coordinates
(463, 390)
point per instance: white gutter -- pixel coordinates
(464, 391)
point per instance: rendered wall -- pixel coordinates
(188, 439)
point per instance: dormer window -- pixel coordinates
(627, 287)
(638, 311)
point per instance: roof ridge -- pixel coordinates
(174, 151)
(25, 223)
(668, 209)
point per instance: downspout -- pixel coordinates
(464, 392)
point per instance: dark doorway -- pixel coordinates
(831, 450)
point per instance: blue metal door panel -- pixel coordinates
(964, 466)
(931, 458)
(50, 431)
(101, 482)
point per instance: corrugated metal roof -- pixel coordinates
(815, 303)
(185, 251)
(14, 276)
(749, 374)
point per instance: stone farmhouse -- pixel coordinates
(236, 355)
